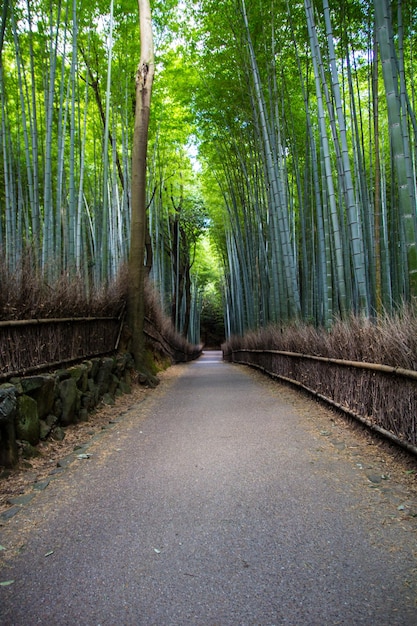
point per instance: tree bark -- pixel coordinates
(144, 80)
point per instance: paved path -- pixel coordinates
(214, 502)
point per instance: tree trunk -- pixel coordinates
(144, 80)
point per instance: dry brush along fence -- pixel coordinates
(382, 397)
(178, 351)
(28, 346)
(53, 372)
(31, 345)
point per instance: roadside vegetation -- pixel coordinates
(388, 340)
(26, 295)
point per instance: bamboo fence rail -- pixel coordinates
(35, 345)
(382, 397)
(27, 346)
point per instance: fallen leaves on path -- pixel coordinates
(29, 473)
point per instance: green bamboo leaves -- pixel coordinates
(330, 222)
(303, 116)
(63, 197)
(282, 249)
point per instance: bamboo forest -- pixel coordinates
(281, 161)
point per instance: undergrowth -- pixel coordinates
(26, 294)
(389, 340)
(162, 322)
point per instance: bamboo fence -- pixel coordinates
(27, 346)
(382, 397)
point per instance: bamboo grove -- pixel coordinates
(67, 91)
(309, 128)
(303, 117)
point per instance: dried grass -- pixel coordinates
(177, 343)
(387, 401)
(390, 340)
(25, 294)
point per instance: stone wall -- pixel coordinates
(33, 408)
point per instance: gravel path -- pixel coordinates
(215, 502)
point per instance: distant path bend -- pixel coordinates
(216, 502)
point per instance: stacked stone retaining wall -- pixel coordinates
(33, 408)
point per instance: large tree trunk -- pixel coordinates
(144, 80)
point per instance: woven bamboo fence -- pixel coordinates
(27, 346)
(382, 397)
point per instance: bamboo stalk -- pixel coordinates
(345, 176)
(276, 176)
(328, 172)
(48, 248)
(54, 320)
(106, 208)
(399, 142)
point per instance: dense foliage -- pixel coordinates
(307, 125)
(284, 132)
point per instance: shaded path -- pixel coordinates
(212, 503)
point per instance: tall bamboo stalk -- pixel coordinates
(353, 211)
(398, 140)
(48, 247)
(279, 215)
(328, 170)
